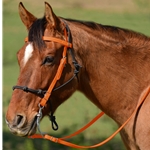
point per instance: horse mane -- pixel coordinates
(113, 33)
(108, 28)
(37, 29)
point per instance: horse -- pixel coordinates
(109, 65)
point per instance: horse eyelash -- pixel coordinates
(44, 61)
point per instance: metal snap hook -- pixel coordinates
(39, 116)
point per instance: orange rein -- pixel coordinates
(48, 93)
(63, 142)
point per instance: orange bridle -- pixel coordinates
(48, 94)
(66, 43)
(60, 68)
(45, 95)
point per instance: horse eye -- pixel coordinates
(48, 60)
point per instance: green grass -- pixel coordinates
(77, 111)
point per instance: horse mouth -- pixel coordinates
(27, 130)
(33, 126)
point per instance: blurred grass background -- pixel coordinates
(77, 111)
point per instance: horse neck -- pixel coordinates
(100, 74)
(86, 47)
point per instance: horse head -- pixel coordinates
(39, 60)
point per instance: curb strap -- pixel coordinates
(52, 118)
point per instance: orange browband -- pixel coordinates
(45, 38)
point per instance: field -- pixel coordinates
(77, 111)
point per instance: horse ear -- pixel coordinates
(51, 18)
(26, 17)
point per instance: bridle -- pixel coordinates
(45, 95)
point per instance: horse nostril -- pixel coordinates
(19, 121)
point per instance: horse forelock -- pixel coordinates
(36, 32)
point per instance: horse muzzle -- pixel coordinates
(21, 127)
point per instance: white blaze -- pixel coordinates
(27, 53)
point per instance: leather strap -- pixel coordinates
(63, 142)
(45, 38)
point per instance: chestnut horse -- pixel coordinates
(110, 65)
